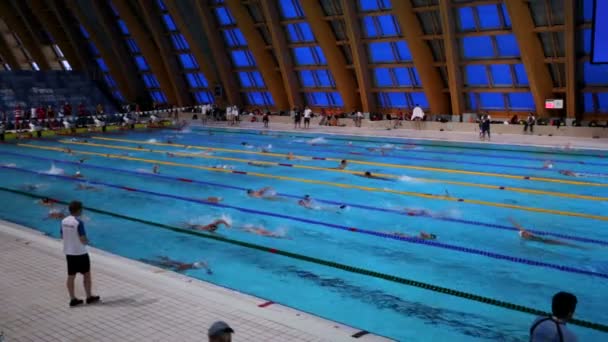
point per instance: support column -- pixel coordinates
(422, 56)
(264, 58)
(344, 78)
(570, 47)
(532, 54)
(360, 61)
(452, 57)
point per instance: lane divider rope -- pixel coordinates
(362, 162)
(330, 136)
(415, 240)
(336, 265)
(429, 180)
(340, 185)
(320, 200)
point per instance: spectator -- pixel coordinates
(307, 116)
(530, 123)
(358, 118)
(418, 116)
(67, 109)
(74, 246)
(99, 109)
(50, 113)
(554, 328)
(266, 119)
(81, 109)
(220, 332)
(514, 120)
(297, 118)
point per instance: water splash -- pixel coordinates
(54, 170)
(153, 141)
(319, 140)
(409, 179)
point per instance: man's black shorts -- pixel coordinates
(78, 264)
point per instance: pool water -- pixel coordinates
(465, 194)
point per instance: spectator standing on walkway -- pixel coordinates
(549, 329)
(418, 116)
(220, 332)
(75, 250)
(530, 121)
(307, 116)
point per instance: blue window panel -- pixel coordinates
(246, 81)
(290, 9)
(169, 24)
(476, 75)
(505, 14)
(477, 47)
(223, 16)
(403, 77)
(507, 45)
(258, 79)
(467, 21)
(161, 5)
(501, 74)
(132, 46)
(404, 51)
(292, 33)
(102, 65)
(587, 37)
(141, 63)
(118, 95)
(242, 58)
(381, 52)
(603, 102)
(196, 80)
(488, 16)
(383, 77)
(588, 9)
(158, 96)
(416, 77)
(472, 101)
(306, 32)
(306, 78)
(179, 42)
(387, 25)
(318, 99)
(392, 100)
(203, 97)
(93, 49)
(588, 103)
(84, 32)
(595, 74)
(150, 81)
(304, 56)
(109, 81)
(335, 99)
(320, 56)
(324, 78)
(234, 38)
(521, 101)
(370, 27)
(123, 27)
(300, 32)
(419, 99)
(522, 76)
(491, 101)
(374, 5)
(187, 61)
(259, 98)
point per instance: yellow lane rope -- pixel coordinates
(340, 185)
(411, 167)
(240, 160)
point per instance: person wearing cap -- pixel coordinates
(220, 331)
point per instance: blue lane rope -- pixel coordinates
(415, 240)
(361, 206)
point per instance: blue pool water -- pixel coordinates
(477, 250)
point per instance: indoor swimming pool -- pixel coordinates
(357, 250)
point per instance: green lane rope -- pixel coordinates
(332, 264)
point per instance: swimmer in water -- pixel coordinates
(306, 202)
(156, 169)
(31, 187)
(82, 186)
(47, 202)
(211, 227)
(56, 214)
(343, 165)
(548, 164)
(421, 235)
(170, 154)
(568, 173)
(213, 199)
(264, 232)
(265, 193)
(78, 175)
(179, 266)
(368, 174)
(526, 235)
(259, 164)
(290, 156)
(68, 151)
(417, 212)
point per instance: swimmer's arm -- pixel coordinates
(517, 225)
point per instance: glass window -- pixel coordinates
(118, 95)
(383, 77)
(419, 99)
(109, 81)
(595, 74)
(169, 24)
(388, 25)
(369, 27)
(141, 63)
(588, 103)
(179, 43)
(187, 61)
(123, 27)
(472, 101)
(602, 98)
(306, 78)
(161, 5)
(587, 41)
(392, 100)
(402, 75)
(102, 65)
(505, 14)
(324, 78)
(381, 52)
(476, 75)
(507, 45)
(223, 16)
(242, 58)
(477, 47)
(290, 9)
(501, 74)
(203, 97)
(158, 96)
(304, 56)
(93, 48)
(491, 101)
(521, 101)
(151, 81)
(84, 32)
(466, 19)
(374, 5)
(132, 46)
(520, 73)
(488, 16)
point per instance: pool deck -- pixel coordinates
(380, 131)
(139, 302)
